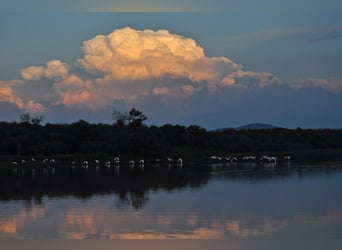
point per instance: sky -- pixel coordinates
(212, 63)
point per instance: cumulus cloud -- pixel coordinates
(52, 70)
(129, 54)
(130, 65)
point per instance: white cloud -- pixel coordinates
(129, 54)
(130, 64)
(53, 69)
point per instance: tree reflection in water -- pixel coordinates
(132, 185)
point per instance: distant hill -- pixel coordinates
(251, 126)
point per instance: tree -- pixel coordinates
(120, 118)
(28, 118)
(36, 120)
(136, 118)
(25, 118)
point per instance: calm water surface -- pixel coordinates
(240, 203)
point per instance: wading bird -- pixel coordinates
(234, 160)
(116, 160)
(287, 158)
(85, 164)
(131, 163)
(216, 158)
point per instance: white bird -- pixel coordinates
(268, 159)
(131, 163)
(45, 160)
(169, 159)
(287, 158)
(273, 159)
(107, 164)
(216, 158)
(233, 160)
(265, 158)
(180, 161)
(14, 167)
(97, 161)
(141, 162)
(52, 161)
(116, 160)
(85, 164)
(249, 158)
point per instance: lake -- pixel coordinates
(247, 206)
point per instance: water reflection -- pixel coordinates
(188, 202)
(129, 184)
(10, 222)
(76, 224)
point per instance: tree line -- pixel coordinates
(129, 135)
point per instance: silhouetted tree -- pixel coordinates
(120, 118)
(136, 118)
(36, 120)
(135, 138)
(28, 118)
(25, 118)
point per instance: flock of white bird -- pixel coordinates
(251, 158)
(49, 163)
(32, 161)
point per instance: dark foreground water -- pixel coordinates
(233, 206)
